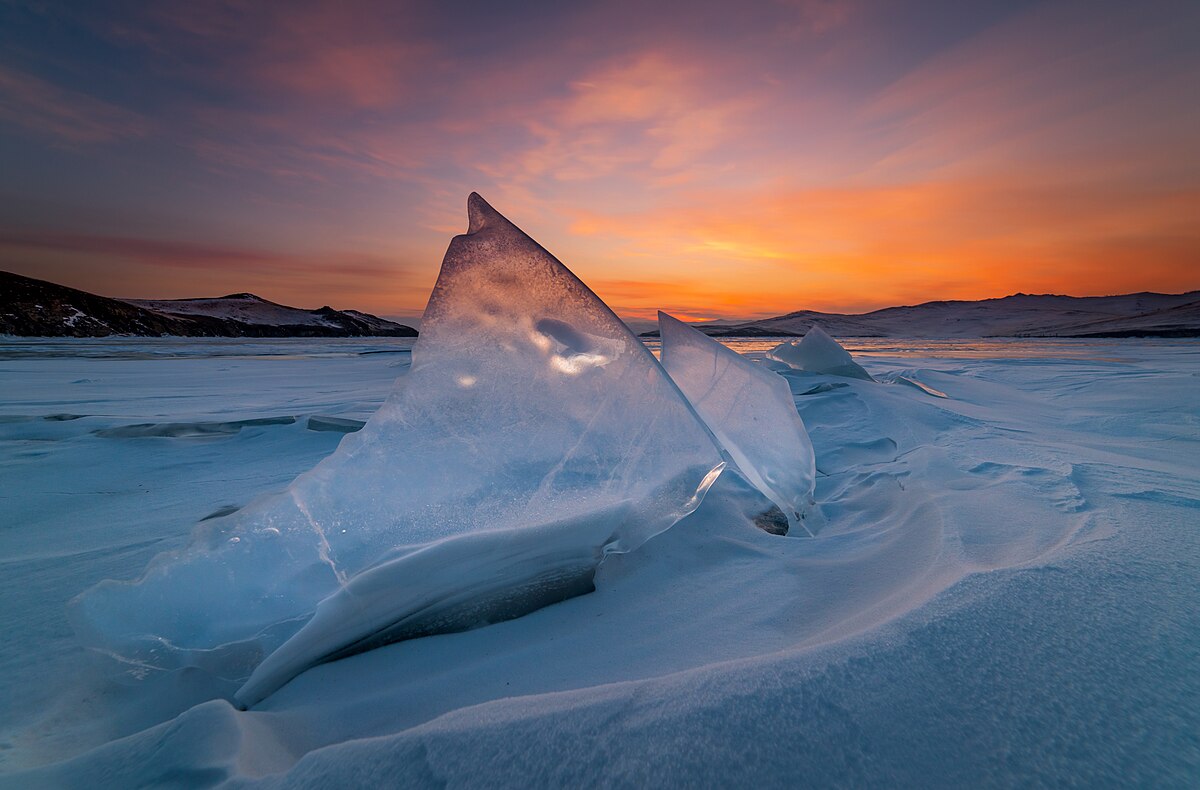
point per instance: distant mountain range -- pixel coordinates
(37, 308)
(1019, 315)
(32, 307)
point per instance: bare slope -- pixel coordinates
(36, 308)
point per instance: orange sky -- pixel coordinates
(823, 155)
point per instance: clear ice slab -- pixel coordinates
(751, 411)
(533, 435)
(817, 352)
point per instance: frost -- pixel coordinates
(751, 412)
(817, 352)
(533, 435)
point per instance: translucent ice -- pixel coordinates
(532, 435)
(751, 412)
(817, 352)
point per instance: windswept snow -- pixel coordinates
(716, 654)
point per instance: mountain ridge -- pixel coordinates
(1140, 314)
(38, 308)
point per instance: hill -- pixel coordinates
(1019, 315)
(37, 308)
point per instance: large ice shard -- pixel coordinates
(532, 435)
(817, 352)
(751, 412)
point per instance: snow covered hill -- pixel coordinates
(36, 308)
(255, 311)
(1019, 315)
(245, 308)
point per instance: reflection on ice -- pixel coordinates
(571, 351)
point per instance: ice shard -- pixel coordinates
(532, 435)
(817, 352)
(751, 412)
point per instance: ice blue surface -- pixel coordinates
(702, 659)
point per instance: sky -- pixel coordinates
(709, 159)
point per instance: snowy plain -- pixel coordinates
(1004, 591)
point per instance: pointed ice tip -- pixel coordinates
(671, 319)
(479, 213)
(667, 320)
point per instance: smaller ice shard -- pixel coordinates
(751, 412)
(817, 352)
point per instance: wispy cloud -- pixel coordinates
(301, 278)
(65, 116)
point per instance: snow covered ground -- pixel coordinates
(1004, 591)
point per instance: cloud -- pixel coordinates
(873, 246)
(644, 116)
(1047, 86)
(347, 56)
(69, 116)
(158, 252)
(146, 267)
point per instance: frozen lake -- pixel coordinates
(1005, 592)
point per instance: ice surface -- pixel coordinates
(860, 656)
(817, 352)
(751, 411)
(533, 435)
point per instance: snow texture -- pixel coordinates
(751, 411)
(532, 436)
(1020, 554)
(817, 352)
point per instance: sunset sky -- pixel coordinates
(710, 159)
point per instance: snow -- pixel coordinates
(751, 412)
(817, 352)
(76, 314)
(246, 308)
(532, 436)
(1003, 593)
